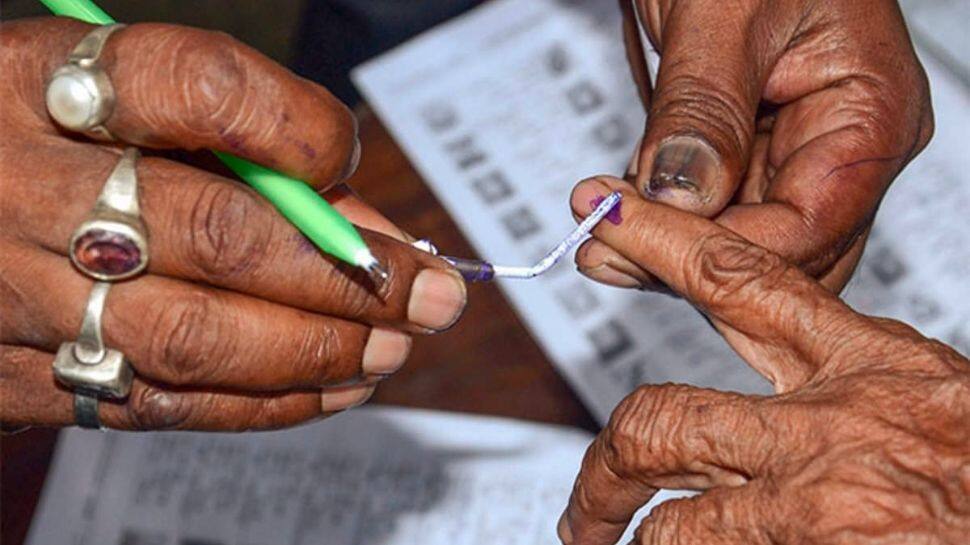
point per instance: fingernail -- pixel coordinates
(341, 399)
(606, 274)
(438, 298)
(354, 160)
(385, 351)
(683, 164)
(565, 532)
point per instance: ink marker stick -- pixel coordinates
(297, 201)
(474, 270)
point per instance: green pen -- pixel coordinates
(297, 201)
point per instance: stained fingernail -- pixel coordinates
(341, 399)
(565, 532)
(438, 298)
(606, 274)
(685, 167)
(385, 351)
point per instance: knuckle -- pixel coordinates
(721, 268)
(661, 525)
(643, 427)
(321, 353)
(151, 408)
(229, 235)
(209, 69)
(190, 340)
(354, 301)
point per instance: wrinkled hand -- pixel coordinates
(240, 323)
(866, 442)
(784, 120)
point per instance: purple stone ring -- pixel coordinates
(112, 244)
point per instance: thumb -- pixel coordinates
(702, 116)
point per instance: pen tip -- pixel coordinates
(377, 273)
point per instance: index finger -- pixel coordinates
(181, 87)
(738, 284)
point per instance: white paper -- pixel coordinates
(504, 109)
(367, 477)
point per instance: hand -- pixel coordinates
(239, 322)
(783, 120)
(867, 441)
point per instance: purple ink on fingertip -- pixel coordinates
(615, 216)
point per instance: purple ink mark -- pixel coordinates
(473, 271)
(308, 150)
(235, 142)
(304, 244)
(615, 215)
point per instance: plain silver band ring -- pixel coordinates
(86, 410)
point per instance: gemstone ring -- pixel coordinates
(112, 244)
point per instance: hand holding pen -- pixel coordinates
(238, 321)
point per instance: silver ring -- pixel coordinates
(87, 364)
(112, 244)
(86, 411)
(80, 96)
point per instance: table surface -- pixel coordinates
(487, 364)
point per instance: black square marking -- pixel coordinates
(521, 223)
(886, 266)
(584, 97)
(611, 341)
(493, 188)
(465, 153)
(612, 133)
(557, 60)
(439, 117)
(133, 536)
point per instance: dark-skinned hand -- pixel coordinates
(239, 322)
(783, 120)
(866, 442)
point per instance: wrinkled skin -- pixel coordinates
(783, 120)
(239, 322)
(866, 442)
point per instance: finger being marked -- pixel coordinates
(738, 284)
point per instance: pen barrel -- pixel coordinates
(83, 10)
(303, 207)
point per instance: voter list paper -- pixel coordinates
(504, 109)
(371, 476)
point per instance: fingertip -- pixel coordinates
(345, 397)
(587, 194)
